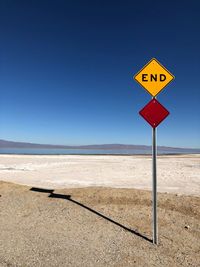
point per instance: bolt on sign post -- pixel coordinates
(154, 77)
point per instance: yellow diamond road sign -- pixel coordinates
(154, 77)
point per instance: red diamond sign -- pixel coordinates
(154, 113)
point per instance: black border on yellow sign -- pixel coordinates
(145, 67)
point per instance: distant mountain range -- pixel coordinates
(12, 144)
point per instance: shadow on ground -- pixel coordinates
(68, 197)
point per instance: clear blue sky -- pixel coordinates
(66, 70)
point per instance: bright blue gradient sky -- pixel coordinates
(66, 70)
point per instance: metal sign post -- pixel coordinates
(154, 113)
(154, 77)
(154, 186)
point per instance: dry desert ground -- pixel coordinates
(97, 211)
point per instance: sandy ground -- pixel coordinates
(96, 227)
(103, 221)
(176, 174)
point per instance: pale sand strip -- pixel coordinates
(176, 174)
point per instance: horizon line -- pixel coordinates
(87, 145)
